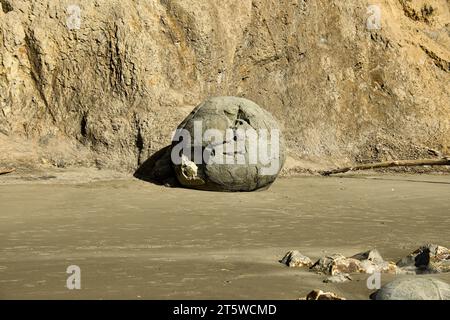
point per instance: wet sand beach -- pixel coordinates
(135, 240)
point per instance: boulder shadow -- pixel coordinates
(157, 169)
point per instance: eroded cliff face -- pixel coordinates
(107, 89)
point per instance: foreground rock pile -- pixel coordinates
(428, 259)
(334, 264)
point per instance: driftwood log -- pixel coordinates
(397, 163)
(5, 171)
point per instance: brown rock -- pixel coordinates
(372, 261)
(368, 266)
(296, 259)
(371, 255)
(337, 264)
(320, 295)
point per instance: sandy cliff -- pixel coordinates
(105, 84)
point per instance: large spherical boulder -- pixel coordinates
(228, 144)
(414, 288)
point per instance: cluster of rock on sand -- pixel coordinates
(428, 259)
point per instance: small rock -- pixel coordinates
(336, 264)
(339, 278)
(320, 295)
(413, 288)
(371, 255)
(188, 173)
(296, 259)
(372, 261)
(368, 266)
(430, 258)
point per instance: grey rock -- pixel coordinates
(371, 255)
(414, 288)
(372, 261)
(230, 117)
(296, 259)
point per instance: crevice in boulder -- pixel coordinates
(242, 116)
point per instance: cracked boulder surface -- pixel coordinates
(229, 158)
(413, 288)
(109, 93)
